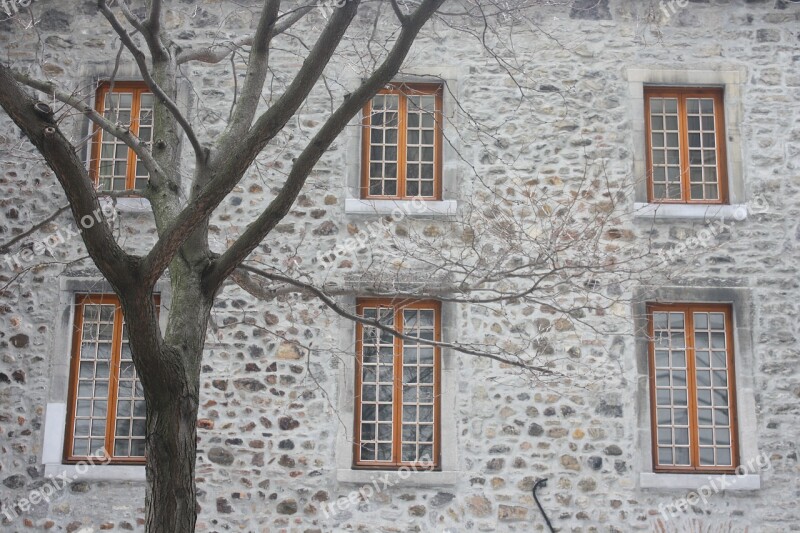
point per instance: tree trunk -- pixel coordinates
(171, 450)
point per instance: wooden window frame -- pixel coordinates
(682, 94)
(397, 421)
(113, 380)
(403, 90)
(137, 88)
(691, 384)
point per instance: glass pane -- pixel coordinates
(707, 456)
(665, 456)
(682, 456)
(724, 456)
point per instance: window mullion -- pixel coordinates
(113, 382)
(683, 147)
(130, 178)
(732, 400)
(402, 143)
(97, 142)
(366, 147)
(73, 394)
(397, 396)
(691, 381)
(438, 134)
(358, 388)
(720, 147)
(437, 386)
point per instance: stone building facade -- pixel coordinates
(276, 422)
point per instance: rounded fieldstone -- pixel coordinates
(442, 498)
(20, 340)
(16, 481)
(417, 510)
(479, 505)
(499, 448)
(535, 430)
(220, 456)
(495, 464)
(223, 506)
(79, 487)
(287, 423)
(595, 462)
(287, 507)
(570, 463)
(613, 450)
(326, 228)
(249, 384)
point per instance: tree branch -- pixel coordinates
(402, 17)
(339, 310)
(245, 108)
(228, 166)
(122, 133)
(5, 248)
(153, 23)
(116, 265)
(211, 55)
(141, 62)
(282, 203)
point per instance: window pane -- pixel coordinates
(383, 122)
(708, 429)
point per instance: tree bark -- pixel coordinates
(171, 449)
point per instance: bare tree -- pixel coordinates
(522, 240)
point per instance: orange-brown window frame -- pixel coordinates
(682, 94)
(138, 89)
(113, 381)
(691, 376)
(403, 90)
(397, 421)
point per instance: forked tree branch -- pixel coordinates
(122, 133)
(282, 203)
(228, 166)
(247, 103)
(402, 17)
(141, 62)
(116, 265)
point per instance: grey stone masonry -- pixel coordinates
(276, 418)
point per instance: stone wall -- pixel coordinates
(272, 375)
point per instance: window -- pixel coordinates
(114, 166)
(102, 374)
(401, 143)
(685, 145)
(693, 405)
(397, 387)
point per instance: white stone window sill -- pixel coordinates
(54, 425)
(724, 482)
(656, 211)
(413, 208)
(397, 479)
(99, 472)
(128, 205)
